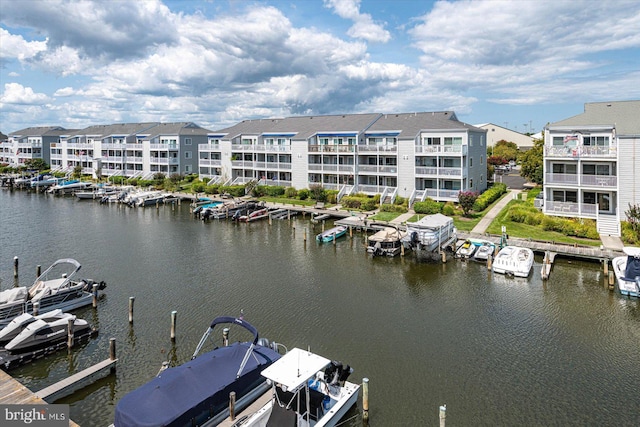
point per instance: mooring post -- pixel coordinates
(225, 337)
(350, 232)
(70, 332)
(36, 308)
(489, 262)
(269, 219)
(112, 348)
(606, 267)
(15, 266)
(334, 239)
(38, 269)
(322, 229)
(131, 301)
(305, 234)
(401, 249)
(95, 295)
(289, 214)
(173, 325)
(232, 405)
(365, 401)
(443, 415)
(443, 254)
(611, 281)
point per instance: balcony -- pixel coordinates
(570, 209)
(584, 180)
(79, 146)
(442, 149)
(165, 161)
(273, 148)
(580, 151)
(162, 147)
(209, 147)
(421, 170)
(210, 162)
(377, 148)
(134, 146)
(112, 146)
(242, 147)
(332, 148)
(241, 164)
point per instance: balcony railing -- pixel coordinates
(332, 148)
(580, 151)
(241, 164)
(377, 148)
(420, 170)
(210, 162)
(29, 144)
(273, 148)
(209, 147)
(583, 179)
(162, 146)
(80, 145)
(442, 149)
(242, 147)
(570, 208)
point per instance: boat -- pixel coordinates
(332, 234)
(514, 261)
(70, 186)
(387, 241)
(254, 215)
(197, 392)
(18, 323)
(466, 250)
(54, 289)
(41, 334)
(627, 271)
(484, 251)
(97, 193)
(430, 233)
(307, 390)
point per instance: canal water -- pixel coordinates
(496, 351)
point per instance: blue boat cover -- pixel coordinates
(633, 268)
(195, 390)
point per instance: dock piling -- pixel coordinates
(70, 332)
(38, 270)
(173, 325)
(443, 415)
(112, 348)
(611, 281)
(232, 405)
(36, 308)
(489, 262)
(605, 266)
(131, 301)
(365, 401)
(95, 295)
(225, 337)
(305, 234)
(15, 266)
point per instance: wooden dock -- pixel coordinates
(249, 410)
(14, 393)
(77, 381)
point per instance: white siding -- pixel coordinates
(629, 174)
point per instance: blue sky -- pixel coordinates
(519, 64)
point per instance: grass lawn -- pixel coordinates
(307, 202)
(385, 216)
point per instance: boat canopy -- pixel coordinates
(182, 393)
(633, 267)
(295, 368)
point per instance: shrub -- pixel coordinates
(466, 199)
(449, 209)
(393, 208)
(351, 202)
(303, 194)
(429, 207)
(290, 193)
(318, 193)
(198, 186)
(630, 236)
(489, 196)
(369, 204)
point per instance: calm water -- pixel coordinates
(497, 351)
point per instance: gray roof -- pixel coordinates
(624, 115)
(180, 128)
(411, 124)
(116, 129)
(37, 131)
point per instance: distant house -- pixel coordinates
(497, 133)
(592, 164)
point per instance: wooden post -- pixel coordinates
(70, 331)
(443, 255)
(401, 249)
(606, 267)
(38, 270)
(225, 337)
(36, 308)
(15, 266)
(322, 227)
(443, 415)
(365, 401)
(612, 279)
(269, 219)
(350, 232)
(131, 301)
(289, 214)
(305, 234)
(112, 348)
(334, 239)
(95, 295)
(232, 405)
(489, 261)
(173, 325)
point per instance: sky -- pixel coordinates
(518, 64)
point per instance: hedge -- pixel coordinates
(489, 196)
(428, 207)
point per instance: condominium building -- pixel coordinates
(30, 143)
(592, 164)
(413, 155)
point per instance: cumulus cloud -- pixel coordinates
(15, 93)
(363, 25)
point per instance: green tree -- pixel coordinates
(466, 199)
(77, 171)
(531, 162)
(318, 193)
(36, 164)
(506, 149)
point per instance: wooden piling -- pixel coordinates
(95, 295)
(15, 266)
(36, 308)
(401, 250)
(443, 415)
(38, 270)
(443, 255)
(612, 280)
(606, 267)
(112, 348)
(131, 301)
(173, 325)
(323, 225)
(305, 234)
(232, 405)
(489, 262)
(70, 332)
(365, 401)
(225, 337)
(350, 232)
(334, 239)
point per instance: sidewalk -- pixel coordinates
(482, 226)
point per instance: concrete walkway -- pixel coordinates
(482, 226)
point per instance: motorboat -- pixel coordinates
(627, 271)
(430, 233)
(18, 323)
(40, 333)
(97, 193)
(387, 241)
(466, 250)
(254, 215)
(69, 186)
(307, 390)
(197, 392)
(55, 288)
(332, 234)
(514, 261)
(484, 251)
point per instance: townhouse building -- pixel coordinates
(413, 155)
(592, 164)
(30, 143)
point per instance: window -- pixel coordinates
(565, 196)
(187, 141)
(602, 141)
(471, 183)
(564, 168)
(481, 160)
(432, 141)
(187, 168)
(457, 140)
(595, 169)
(471, 162)
(589, 198)
(188, 154)
(558, 141)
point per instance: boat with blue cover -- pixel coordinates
(627, 271)
(332, 234)
(197, 392)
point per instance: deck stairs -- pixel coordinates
(608, 224)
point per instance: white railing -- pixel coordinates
(599, 180)
(210, 162)
(162, 146)
(346, 168)
(442, 149)
(579, 151)
(377, 148)
(426, 170)
(450, 171)
(561, 178)
(209, 147)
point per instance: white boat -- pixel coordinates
(67, 187)
(514, 261)
(41, 334)
(387, 241)
(307, 390)
(54, 289)
(627, 271)
(467, 249)
(485, 250)
(430, 233)
(96, 194)
(332, 234)
(18, 324)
